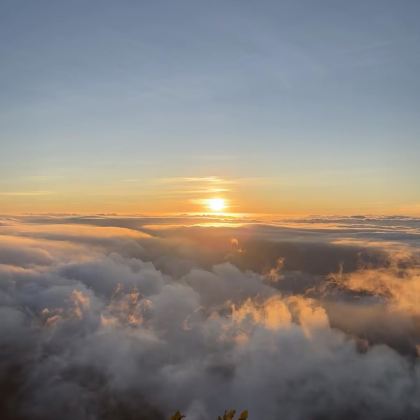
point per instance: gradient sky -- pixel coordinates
(151, 106)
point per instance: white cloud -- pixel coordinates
(107, 322)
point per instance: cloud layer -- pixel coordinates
(123, 318)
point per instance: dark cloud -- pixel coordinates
(112, 318)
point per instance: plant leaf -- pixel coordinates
(244, 415)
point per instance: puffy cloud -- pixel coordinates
(100, 321)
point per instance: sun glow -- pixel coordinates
(216, 204)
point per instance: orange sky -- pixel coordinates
(191, 195)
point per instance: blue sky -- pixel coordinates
(298, 92)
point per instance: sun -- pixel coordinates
(216, 204)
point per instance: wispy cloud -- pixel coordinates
(188, 180)
(24, 193)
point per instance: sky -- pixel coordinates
(289, 107)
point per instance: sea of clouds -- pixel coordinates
(110, 317)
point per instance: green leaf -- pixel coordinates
(244, 415)
(229, 414)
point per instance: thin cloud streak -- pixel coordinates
(25, 193)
